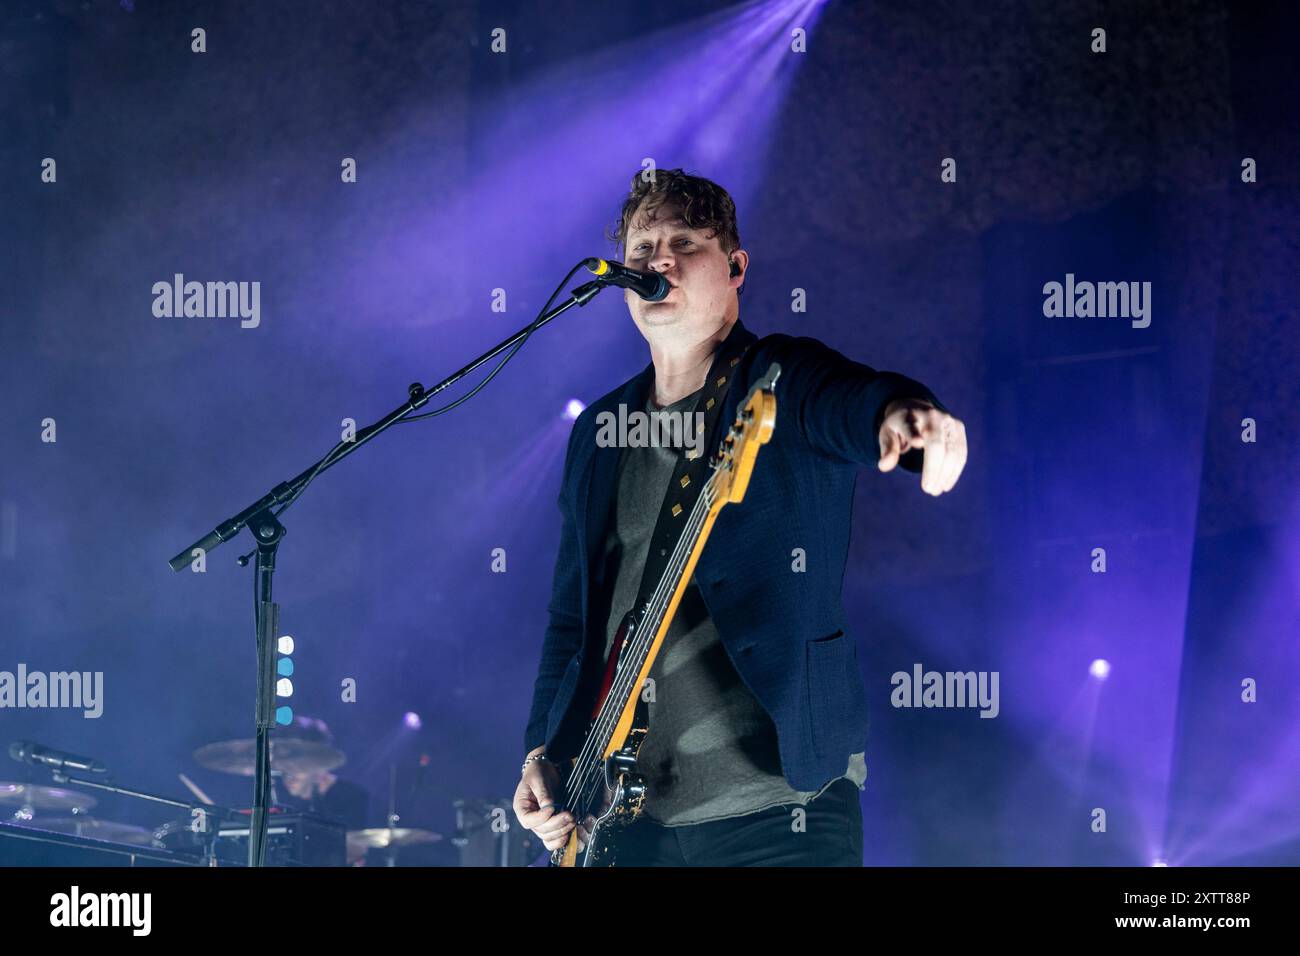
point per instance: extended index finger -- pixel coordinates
(932, 465)
(954, 453)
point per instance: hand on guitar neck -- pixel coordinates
(538, 806)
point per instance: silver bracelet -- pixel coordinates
(536, 757)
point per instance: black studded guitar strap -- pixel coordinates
(692, 469)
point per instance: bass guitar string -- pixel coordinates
(588, 766)
(607, 720)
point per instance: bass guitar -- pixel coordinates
(603, 781)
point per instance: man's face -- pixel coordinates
(695, 266)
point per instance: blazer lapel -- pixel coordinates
(596, 491)
(596, 486)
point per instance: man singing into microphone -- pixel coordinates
(758, 708)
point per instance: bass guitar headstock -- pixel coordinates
(733, 463)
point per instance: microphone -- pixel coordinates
(650, 286)
(24, 751)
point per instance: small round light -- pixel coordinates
(284, 687)
(573, 409)
(1100, 669)
(412, 720)
(284, 716)
(285, 645)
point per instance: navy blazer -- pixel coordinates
(784, 630)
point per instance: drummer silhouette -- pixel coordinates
(322, 791)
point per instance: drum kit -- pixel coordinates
(64, 811)
(68, 812)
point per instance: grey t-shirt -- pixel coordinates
(711, 751)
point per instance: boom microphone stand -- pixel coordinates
(267, 531)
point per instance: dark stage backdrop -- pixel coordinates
(909, 179)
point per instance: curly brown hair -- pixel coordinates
(703, 204)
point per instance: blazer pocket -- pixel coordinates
(832, 690)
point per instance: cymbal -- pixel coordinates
(389, 836)
(288, 755)
(43, 798)
(84, 826)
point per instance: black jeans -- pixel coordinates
(830, 835)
